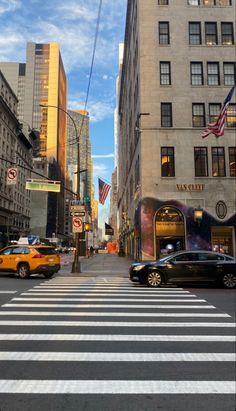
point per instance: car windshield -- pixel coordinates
(163, 259)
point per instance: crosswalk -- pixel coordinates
(103, 336)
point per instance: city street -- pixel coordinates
(95, 341)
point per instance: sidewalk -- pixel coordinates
(101, 264)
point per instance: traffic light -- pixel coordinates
(88, 227)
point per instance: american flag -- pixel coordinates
(103, 190)
(218, 127)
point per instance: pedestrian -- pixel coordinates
(91, 250)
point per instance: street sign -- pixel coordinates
(43, 185)
(12, 174)
(77, 208)
(86, 199)
(77, 214)
(77, 224)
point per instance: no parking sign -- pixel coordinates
(12, 174)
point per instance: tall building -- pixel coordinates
(41, 81)
(16, 152)
(78, 129)
(81, 122)
(176, 189)
(15, 75)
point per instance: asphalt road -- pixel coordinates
(96, 342)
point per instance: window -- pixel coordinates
(166, 115)
(227, 37)
(209, 2)
(20, 250)
(164, 35)
(218, 162)
(214, 111)
(167, 162)
(231, 115)
(194, 2)
(7, 251)
(186, 257)
(201, 161)
(165, 75)
(209, 257)
(163, 2)
(229, 74)
(225, 2)
(211, 34)
(198, 110)
(232, 161)
(196, 74)
(213, 75)
(195, 36)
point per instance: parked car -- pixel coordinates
(29, 259)
(186, 266)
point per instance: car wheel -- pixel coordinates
(229, 280)
(48, 275)
(154, 279)
(23, 271)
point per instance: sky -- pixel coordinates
(72, 24)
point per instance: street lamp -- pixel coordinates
(76, 263)
(198, 214)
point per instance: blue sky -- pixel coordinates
(72, 23)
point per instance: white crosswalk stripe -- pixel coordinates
(196, 331)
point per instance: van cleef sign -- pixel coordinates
(190, 187)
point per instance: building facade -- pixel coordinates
(176, 189)
(16, 152)
(78, 138)
(38, 83)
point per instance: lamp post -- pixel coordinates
(76, 263)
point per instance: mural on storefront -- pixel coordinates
(197, 235)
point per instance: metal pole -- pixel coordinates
(76, 263)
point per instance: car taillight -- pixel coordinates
(38, 256)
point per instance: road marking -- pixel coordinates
(115, 387)
(103, 356)
(111, 314)
(7, 292)
(117, 324)
(102, 290)
(116, 337)
(187, 306)
(113, 289)
(152, 300)
(106, 294)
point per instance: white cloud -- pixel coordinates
(98, 110)
(105, 77)
(70, 23)
(9, 6)
(100, 170)
(111, 155)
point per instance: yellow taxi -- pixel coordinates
(29, 259)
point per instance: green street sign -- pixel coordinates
(86, 199)
(43, 185)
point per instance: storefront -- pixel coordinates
(163, 227)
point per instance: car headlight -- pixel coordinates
(138, 267)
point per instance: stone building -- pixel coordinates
(176, 189)
(15, 152)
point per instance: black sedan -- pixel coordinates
(186, 266)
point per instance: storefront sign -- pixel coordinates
(169, 228)
(190, 187)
